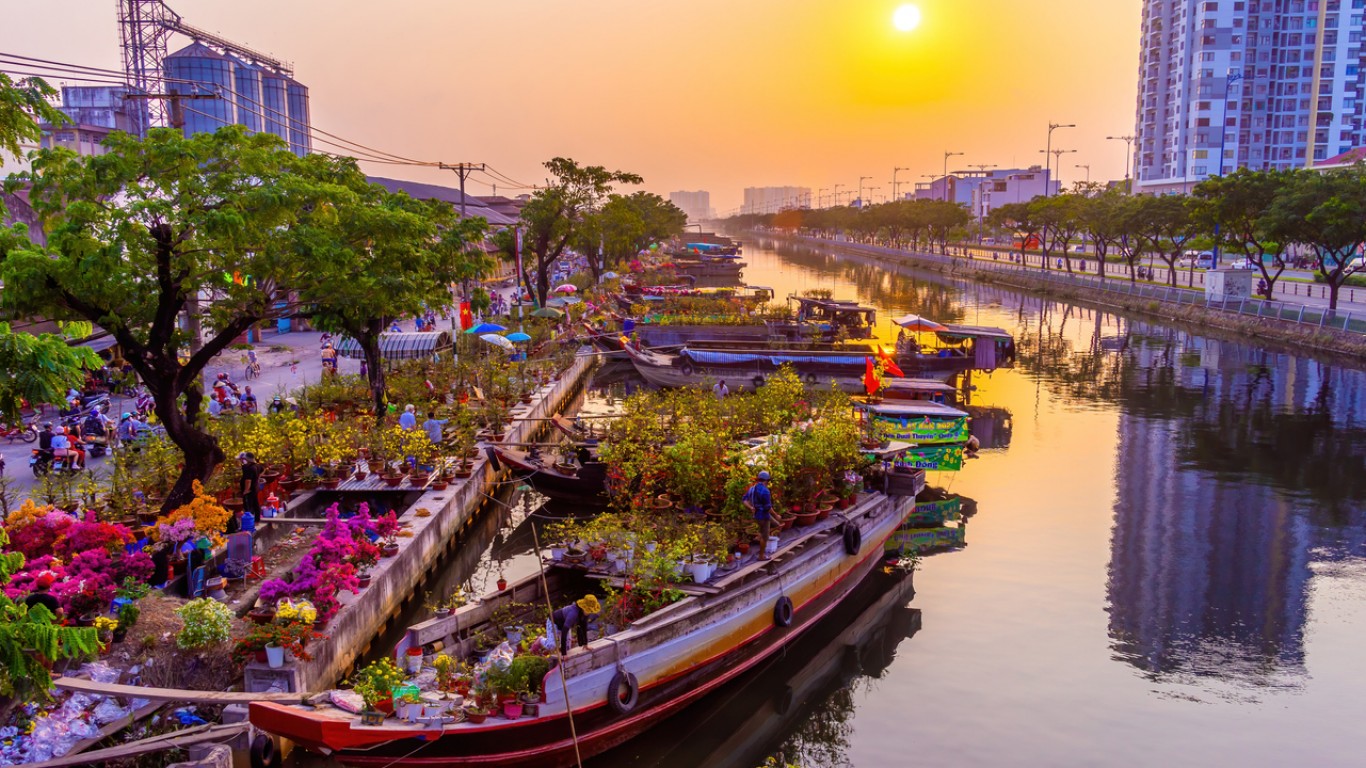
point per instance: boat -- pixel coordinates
(931, 390)
(619, 685)
(939, 432)
(583, 482)
(991, 348)
(845, 366)
(836, 318)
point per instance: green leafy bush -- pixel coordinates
(207, 623)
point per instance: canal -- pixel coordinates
(1165, 566)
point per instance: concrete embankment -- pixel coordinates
(396, 581)
(1194, 316)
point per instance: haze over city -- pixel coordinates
(709, 95)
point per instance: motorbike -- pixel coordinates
(98, 402)
(26, 432)
(43, 461)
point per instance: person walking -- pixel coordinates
(720, 389)
(432, 426)
(759, 500)
(408, 420)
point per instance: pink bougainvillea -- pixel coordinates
(22, 582)
(330, 565)
(37, 538)
(87, 536)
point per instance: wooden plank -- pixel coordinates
(114, 727)
(173, 694)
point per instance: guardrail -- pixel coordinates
(1300, 314)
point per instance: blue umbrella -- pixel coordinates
(487, 328)
(518, 336)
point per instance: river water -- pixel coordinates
(1165, 566)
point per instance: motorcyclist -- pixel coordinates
(63, 450)
(248, 400)
(130, 428)
(94, 430)
(45, 437)
(276, 406)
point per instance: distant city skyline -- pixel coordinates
(809, 93)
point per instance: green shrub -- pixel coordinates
(207, 623)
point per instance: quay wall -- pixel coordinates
(395, 580)
(1151, 301)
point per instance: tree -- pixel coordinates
(625, 225)
(157, 229)
(555, 213)
(1239, 208)
(1327, 213)
(40, 367)
(1102, 216)
(942, 217)
(1020, 220)
(1164, 225)
(388, 256)
(1060, 220)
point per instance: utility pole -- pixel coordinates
(837, 193)
(861, 179)
(820, 197)
(894, 182)
(173, 108)
(463, 170)
(1057, 153)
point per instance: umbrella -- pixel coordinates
(548, 312)
(487, 328)
(518, 336)
(496, 340)
(610, 275)
(556, 302)
(918, 323)
(571, 300)
(566, 288)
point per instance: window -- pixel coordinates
(1200, 154)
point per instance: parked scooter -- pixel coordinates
(26, 432)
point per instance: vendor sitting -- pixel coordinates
(575, 617)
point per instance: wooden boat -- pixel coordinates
(845, 367)
(939, 433)
(990, 348)
(622, 684)
(932, 390)
(585, 484)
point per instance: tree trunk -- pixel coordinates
(201, 451)
(368, 340)
(542, 280)
(1101, 252)
(1334, 285)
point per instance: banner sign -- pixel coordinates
(907, 540)
(929, 513)
(946, 458)
(925, 430)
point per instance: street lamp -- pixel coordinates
(1057, 154)
(871, 190)
(861, 179)
(894, 184)
(820, 197)
(1128, 145)
(1048, 149)
(1087, 166)
(837, 193)
(947, 155)
(1233, 77)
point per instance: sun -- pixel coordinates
(906, 17)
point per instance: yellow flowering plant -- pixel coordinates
(295, 612)
(106, 624)
(210, 518)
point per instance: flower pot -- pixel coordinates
(512, 709)
(386, 706)
(389, 550)
(261, 615)
(476, 717)
(824, 510)
(442, 613)
(805, 518)
(330, 483)
(847, 501)
(502, 584)
(743, 547)
(364, 580)
(289, 484)
(557, 552)
(261, 655)
(392, 480)
(275, 656)
(372, 717)
(531, 708)
(233, 505)
(514, 636)
(418, 480)
(439, 485)
(566, 468)
(361, 474)
(412, 660)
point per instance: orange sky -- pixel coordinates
(704, 94)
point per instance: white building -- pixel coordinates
(1256, 83)
(1008, 186)
(696, 204)
(774, 199)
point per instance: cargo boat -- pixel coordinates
(621, 684)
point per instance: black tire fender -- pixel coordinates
(623, 682)
(853, 539)
(264, 753)
(782, 611)
(686, 368)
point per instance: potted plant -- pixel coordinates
(408, 705)
(128, 616)
(566, 463)
(476, 713)
(376, 683)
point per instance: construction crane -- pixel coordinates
(145, 27)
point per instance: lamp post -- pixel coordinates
(871, 190)
(837, 193)
(1128, 145)
(894, 183)
(1233, 77)
(947, 155)
(820, 197)
(1048, 149)
(861, 179)
(1057, 153)
(1087, 166)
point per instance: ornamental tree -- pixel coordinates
(160, 235)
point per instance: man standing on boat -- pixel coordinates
(759, 500)
(720, 389)
(575, 617)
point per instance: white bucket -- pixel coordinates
(275, 656)
(772, 546)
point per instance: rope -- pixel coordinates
(564, 684)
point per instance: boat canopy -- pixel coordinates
(961, 332)
(400, 346)
(914, 408)
(709, 357)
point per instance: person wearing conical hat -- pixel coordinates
(576, 616)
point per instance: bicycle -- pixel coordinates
(253, 368)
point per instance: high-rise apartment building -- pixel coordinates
(697, 205)
(774, 199)
(1255, 83)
